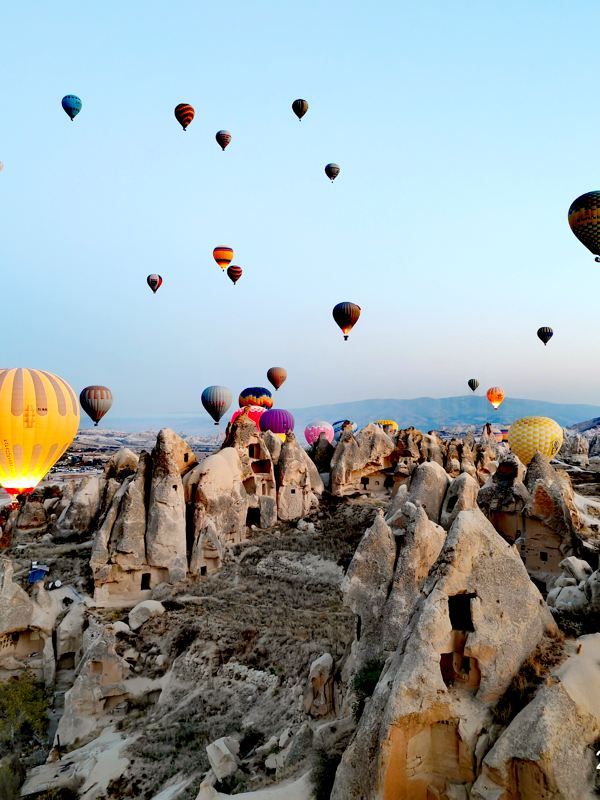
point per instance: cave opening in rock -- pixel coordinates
(459, 606)
(253, 517)
(145, 581)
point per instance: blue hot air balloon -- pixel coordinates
(216, 400)
(72, 105)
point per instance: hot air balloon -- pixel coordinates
(529, 435)
(216, 400)
(299, 107)
(39, 417)
(332, 171)
(154, 281)
(545, 334)
(390, 424)
(234, 273)
(223, 255)
(276, 376)
(252, 412)
(1, 166)
(496, 396)
(255, 396)
(223, 138)
(71, 105)
(96, 402)
(278, 421)
(584, 219)
(184, 114)
(340, 425)
(346, 316)
(314, 429)
(473, 383)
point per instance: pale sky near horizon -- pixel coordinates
(463, 131)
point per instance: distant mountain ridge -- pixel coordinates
(426, 413)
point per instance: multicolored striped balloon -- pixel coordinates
(313, 431)
(184, 114)
(154, 281)
(223, 139)
(216, 400)
(223, 255)
(71, 105)
(39, 417)
(277, 376)
(234, 273)
(278, 421)
(96, 402)
(255, 396)
(584, 221)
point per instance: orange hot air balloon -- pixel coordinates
(39, 417)
(223, 255)
(496, 396)
(277, 376)
(184, 114)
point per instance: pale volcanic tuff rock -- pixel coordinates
(80, 514)
(428, 486)
(575, 448)
(318, 697)
(165, 527)
(32, 518)
(548, 749)
(455, 659)
(358, 456)
(460, 496)
(299, 483)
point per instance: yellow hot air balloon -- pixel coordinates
(388, 423)
(529, 435)
(39, 417)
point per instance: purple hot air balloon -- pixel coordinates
(278, 421)
(314, 429)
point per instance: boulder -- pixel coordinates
(577, 568)
(318, 696)
(223, 756)
(120, 465)
(144, 611)
(428, 486)
(32, 518)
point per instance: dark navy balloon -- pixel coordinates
(72, 105)
(216, 400)
(278, 421)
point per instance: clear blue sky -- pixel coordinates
(463, 130)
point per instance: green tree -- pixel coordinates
(23, 711)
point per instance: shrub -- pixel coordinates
(23, 712)
(364, 683)
(12, 775)
(251, 738)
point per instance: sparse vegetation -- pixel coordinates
(23, 713)
(12, 775)
(548, 654)
(364, 683)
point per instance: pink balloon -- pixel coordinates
(254, 413)
(314, 429)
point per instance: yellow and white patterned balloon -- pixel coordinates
(530, 435)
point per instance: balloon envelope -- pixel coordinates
(71, 105)
(473, 383)
(96, 402)
(277, 376)
(529, 435)
(388, 423)
(495, 395)
(253, 412)
(584, 220)
(154, 281)
(216, 400)
(545, 334)
(184, 114)
(255, 396)
(314, 429)
(277, 420)
(346, 316)
(234, 273)
(332, 171)
(39, 417)
(223, 139)
(299, 107)
(223, 255)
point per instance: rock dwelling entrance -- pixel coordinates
(457, 668)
